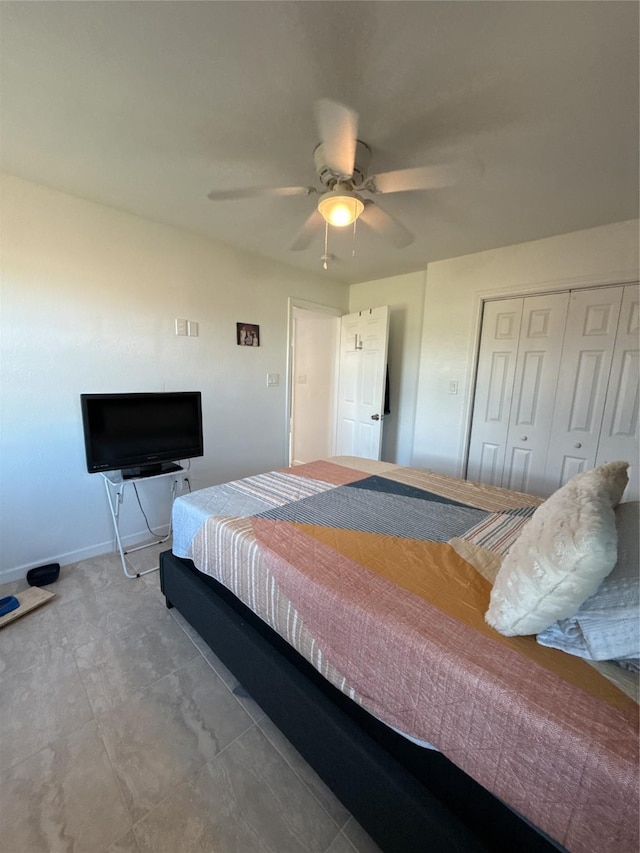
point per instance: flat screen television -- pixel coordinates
(141, 434)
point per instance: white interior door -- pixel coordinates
(537, 369)
(582, 385)
(572, 400)
(494, 388)
(363, 362)
(620, 437)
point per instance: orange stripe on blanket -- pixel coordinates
(440, 576)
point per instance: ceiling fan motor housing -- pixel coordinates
(360, 170)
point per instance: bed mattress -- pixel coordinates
(379, 576)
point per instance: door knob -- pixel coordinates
(375, 417)
(524, 438)
(577, 444)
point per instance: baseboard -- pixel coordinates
(69, 557)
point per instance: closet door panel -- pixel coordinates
(620, 436)
(625, 408)
(571, 465)
(587, 352)
(536, 376)
(494, 387)
(518, 466)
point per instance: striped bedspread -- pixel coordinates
(380, 575)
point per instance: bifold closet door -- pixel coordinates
(589, 341)
(518, 366)
(558, 389)
(536, 379)
(494, 388)
(620, 438)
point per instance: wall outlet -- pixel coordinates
(181, 326)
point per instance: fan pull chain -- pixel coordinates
(355, 222)
(326, 246)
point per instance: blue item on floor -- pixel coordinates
(7, 604)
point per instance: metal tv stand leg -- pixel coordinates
(114, 485)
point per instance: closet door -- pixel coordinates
(536, 377)
(582, 385)
(494, 387)
(619, 438)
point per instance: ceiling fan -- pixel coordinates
(342, 164)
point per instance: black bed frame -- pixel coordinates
(406, 797)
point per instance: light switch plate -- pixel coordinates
(273, 380)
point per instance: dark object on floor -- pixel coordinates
(7, 604)
(43, 575)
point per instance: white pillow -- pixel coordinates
(563, 554)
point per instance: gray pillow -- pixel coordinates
(607, 625)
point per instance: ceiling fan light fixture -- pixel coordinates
(340, 207)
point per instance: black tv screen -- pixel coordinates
(141, 434)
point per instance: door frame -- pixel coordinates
(534, 289)
(316, 308)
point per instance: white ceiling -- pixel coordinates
(147, 106)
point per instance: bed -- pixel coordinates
(348, 598)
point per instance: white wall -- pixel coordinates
(404, 295)
(89, 298)
(454, 290)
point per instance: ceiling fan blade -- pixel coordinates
(338, 126)
(308, 231)
(256, 192)
(426, 177)
(386, 225)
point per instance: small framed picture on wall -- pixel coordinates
(248, 335)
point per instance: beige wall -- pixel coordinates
(89, 299)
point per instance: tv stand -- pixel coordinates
(115, 483)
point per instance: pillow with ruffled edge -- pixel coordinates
(563, 554)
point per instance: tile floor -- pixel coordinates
(121, 732)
